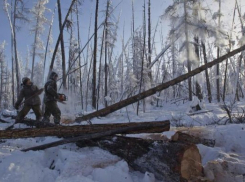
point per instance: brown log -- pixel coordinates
(77, 130)
(168, 161)
(131, 100)
(120, 130)
(186, 138)
(30, 122)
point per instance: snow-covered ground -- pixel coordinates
(224, 163)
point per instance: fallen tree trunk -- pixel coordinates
(78, 130)
(120, 130)
(30, 122)
(131, 100)
(166, 160)
(186, 138)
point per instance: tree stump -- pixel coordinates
(168, 161)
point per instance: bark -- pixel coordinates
(71, 131)
(34, 44)
(158, 88)
(186, 138)
(149, 39)
(106, 50)
(62, 45)
(102, 132)
(187, 50)
(95, 57)
(166, 160)
(79, 47)
(206, 73)
(218, 54)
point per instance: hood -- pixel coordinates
(52, 75)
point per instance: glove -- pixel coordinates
(16, 106)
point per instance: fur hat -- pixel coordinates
(25, 80)
(53, 74)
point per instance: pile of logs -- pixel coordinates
(175, 159)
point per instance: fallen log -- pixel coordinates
(77, 130)
(121, 130)
(186, 138)
(168, 161)
(138, 97)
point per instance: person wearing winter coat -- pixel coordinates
(32, 100)
(50, 99)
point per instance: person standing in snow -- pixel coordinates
(50, 99)
(32, 101)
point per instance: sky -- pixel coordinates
(25, 39)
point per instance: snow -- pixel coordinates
(224, 162)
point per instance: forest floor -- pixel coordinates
(224, 163)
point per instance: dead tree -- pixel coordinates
(128, 101)
(168, 161)
(103, 132)
(77, 130)
(62, 45)
(95, 56)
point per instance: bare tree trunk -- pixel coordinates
(34, 45)
(62, 45)
(95, 56)
(206, 73)
(15, 52)
(106, 51)
(99, 76)
(80, 62)
(149, 39)
(188, 51)
(217, 68)
(142, 58)
(128, 101)
(198, 87)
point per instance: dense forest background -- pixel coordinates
(116, 59)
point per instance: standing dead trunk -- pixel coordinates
(187, 50)
(106, 51)
(166, 160)
(206, 73)
(149, 39)
(218, 54)
(158, 88)
(62, 45)
(80, 62)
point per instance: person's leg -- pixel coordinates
(37, 111)
(55, 111)
(47, 113)
(24, 111)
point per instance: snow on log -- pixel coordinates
(168, 161)
(152, 91)
(77, 130)
(186, 138)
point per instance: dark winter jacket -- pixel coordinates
(50, 89)
(26, 92)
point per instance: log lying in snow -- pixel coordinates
(77, 130)
(186, 138)
(119, 130)
(147, 93)
(30, 122)
(168, 161)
